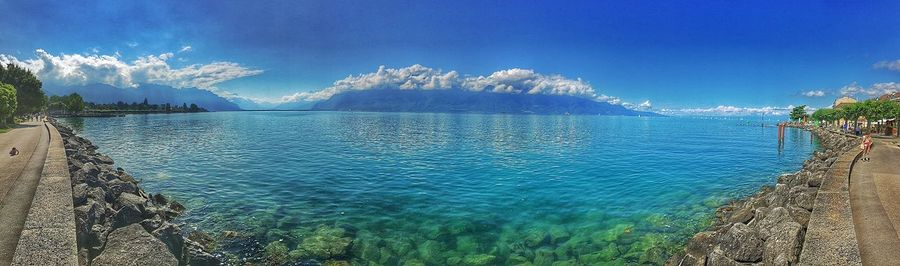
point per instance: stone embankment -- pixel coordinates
(117, 222)
(769, 227)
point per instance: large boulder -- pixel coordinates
(742, 243)
(127, 215)
(783, 245)
(170, 235)
(774, 217)
(126, 199)
(79, 194)
(132, 245)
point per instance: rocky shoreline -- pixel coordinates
(117, 222)
(767, 228)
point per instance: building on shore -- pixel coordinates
(890, 97)
(843, 101)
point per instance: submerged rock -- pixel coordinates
(326, 242)
(479, 259)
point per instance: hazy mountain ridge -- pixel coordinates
(154, 93)
(458, 101)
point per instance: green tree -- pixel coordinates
(7, 103)
(194, 108)
(798, 112)
(74, 103)
(29, 96)
(825, 114)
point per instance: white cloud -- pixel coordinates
(728, 110)
(814, 93)
(75, 69)
(646, 105)
(875, 90)
(418, 77)
(889, 65)
(132, 44)
(184, 49)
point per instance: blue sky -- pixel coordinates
(686, 54)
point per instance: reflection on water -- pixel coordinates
(444, 189)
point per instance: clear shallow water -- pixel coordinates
(452, 187)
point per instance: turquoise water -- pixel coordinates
(444, 189)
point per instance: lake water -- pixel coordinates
(442, 189)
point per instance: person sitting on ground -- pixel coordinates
(13, 152)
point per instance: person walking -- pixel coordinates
(867, 147)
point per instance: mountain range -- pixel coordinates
(374, 100)
(459, 101)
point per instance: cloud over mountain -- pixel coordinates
(77, 69)
(418, 77)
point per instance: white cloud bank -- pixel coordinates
(889, 65)
(76, 69)
(727, 110)
(875, 90)
(418, 77)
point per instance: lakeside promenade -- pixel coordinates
(875, 201)
(19, 177)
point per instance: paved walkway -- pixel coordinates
(19, 176)
(875, 201)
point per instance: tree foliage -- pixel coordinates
(7, 103)
(29, 96)
(872, 110)
(74, 103)
(798, 112)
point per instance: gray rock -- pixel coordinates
(79, 194)
(103, 159)
(779, 196)
(117, 187)
(86, 216)
(90, 169)
(170, 235)
(194, 255)
(152, 223)
(127, 215)
(718, 258)
(814, 182)
(96, 193)
(783, 245)
(701, 244)
(130, 199)
(131, 245)
(774, 217)
(806, 199)
(160, 199)
(799, 215)
(742, 243)
(742, 215)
